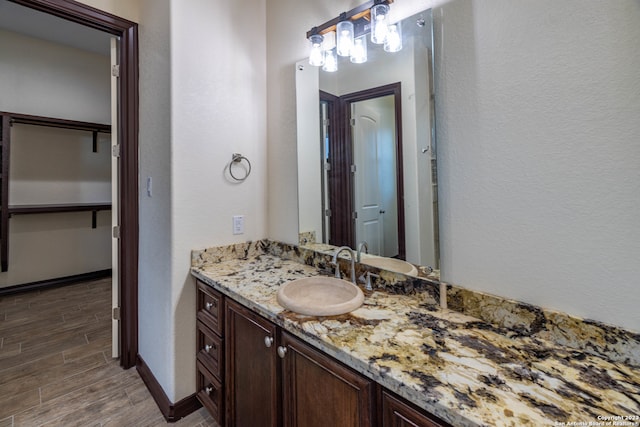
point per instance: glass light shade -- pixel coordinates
(316, 56)
(359, 50)
(379, 22)
(330, 61)
(344, 35)
(393, 43)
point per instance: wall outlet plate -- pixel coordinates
(238, 224)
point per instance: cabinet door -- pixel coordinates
(321, 392)
(252, 371)
(396, 413)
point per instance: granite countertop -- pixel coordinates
(463, 370)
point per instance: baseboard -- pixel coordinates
(54, 283)
(172, 412)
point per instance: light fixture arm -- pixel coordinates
(362, 11)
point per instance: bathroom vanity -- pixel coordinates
(297, 384)
(399, 360)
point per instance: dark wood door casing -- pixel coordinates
(342, 228)
(128, 169)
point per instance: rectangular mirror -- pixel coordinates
(367, 152)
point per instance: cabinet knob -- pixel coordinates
(268, 341)
(282, 352)
(209, 305)
(207, 348)
(208, 390)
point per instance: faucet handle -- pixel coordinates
(368, 286)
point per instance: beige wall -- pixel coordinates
(155, 289)
(538, 106)
(218, 91)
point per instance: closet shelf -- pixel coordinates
(55, 208)
(26, 119)
(7, 120)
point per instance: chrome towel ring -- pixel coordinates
(238, 158)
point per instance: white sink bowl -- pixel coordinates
(320, 296)
(392, 264)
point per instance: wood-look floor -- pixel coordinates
(56, 367)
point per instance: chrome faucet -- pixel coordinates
(353, 265)
(364, 245)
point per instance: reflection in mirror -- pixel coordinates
(366, 150)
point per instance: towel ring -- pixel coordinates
(237, 158)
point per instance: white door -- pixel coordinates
(367, 198)
(115, 252)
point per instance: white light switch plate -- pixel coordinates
(238, 224)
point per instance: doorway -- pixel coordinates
(127, 130)
(364, 180)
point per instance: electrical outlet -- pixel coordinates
(238, 224)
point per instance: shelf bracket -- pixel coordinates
(94, 219)
(95, 141)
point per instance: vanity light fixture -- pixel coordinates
(344, 36)
(359, 50)
(316, 56)
(351, 29)
(393, 41)
(330, 61)
(379, 22)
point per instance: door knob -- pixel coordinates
(207, 348)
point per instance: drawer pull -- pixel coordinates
(208, 348)
(282, 352)
(268, 341)
(208, 390)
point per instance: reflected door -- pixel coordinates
(368, 200)
(374, 178)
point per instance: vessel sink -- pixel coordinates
(392, 264)
(320, 296)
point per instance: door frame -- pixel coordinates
(343, 151)
(128, 132)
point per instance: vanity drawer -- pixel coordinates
(209, 350)
(210, 393)
(210, 308)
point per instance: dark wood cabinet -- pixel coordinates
(274, 381)
(250, 373)
(319, 391)
(252, 369)
(398, 413)
(210, 351)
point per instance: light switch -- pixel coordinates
(149, 186)
(238, 224)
